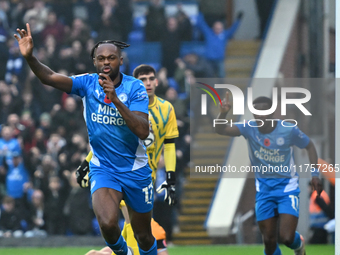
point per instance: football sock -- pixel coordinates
(276, 252)
(297, 242)
(152, 251)
(120, 247)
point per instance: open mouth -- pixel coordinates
(106, 69)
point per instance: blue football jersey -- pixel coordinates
(113, 144)
(7, 149)
(15, 179)
(271, 155)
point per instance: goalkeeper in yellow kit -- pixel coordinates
(163, 131)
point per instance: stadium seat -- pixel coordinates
(173, 84)
(136, 36)
(139, 22)
(155, 65)
(182, 96)
(192, 47)
(132, 66)
(144, 52)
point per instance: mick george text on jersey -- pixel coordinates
(108, 115)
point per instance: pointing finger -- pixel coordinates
(28, 29)
(227, 97)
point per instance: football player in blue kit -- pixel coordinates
(116, 115)
(270, 145)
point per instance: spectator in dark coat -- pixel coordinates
(155, 21)
(171, 44)
(9, 219)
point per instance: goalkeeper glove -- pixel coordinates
(82, 174)
(169, 187)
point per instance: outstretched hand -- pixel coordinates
(226, 105)
(25, 41)
(108, 86)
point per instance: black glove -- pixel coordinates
(169, 187)
(239, 15)
(82, 174)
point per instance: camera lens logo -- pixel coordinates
(204, 97)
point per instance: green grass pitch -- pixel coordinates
(177, 250)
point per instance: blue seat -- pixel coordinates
(132, 66)
(136, 36)
(192, 47)
(144, 52)
(139, 22)
(173, 84)
(182, 95)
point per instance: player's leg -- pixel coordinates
(157, 231)
(141, 225)
(107, 194)
(106, 207)
(288, 234)
(267, 218)
(269, 231)
(289, 212)
(138, 196)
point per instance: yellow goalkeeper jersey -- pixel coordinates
(164, 125)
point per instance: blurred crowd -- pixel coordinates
(43, 134)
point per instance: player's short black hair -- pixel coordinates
(265, 100)
(143, 69)
(120, 45)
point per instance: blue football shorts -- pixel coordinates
(272, 206)
(136, 186)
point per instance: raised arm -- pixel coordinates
(224, 129)
(43, 72)
(229, 33)
(202, 25)
(138, 122)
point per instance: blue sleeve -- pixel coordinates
(139, 99)
(80, 84)
(299, 138)
(229, 33)
(202, 25)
